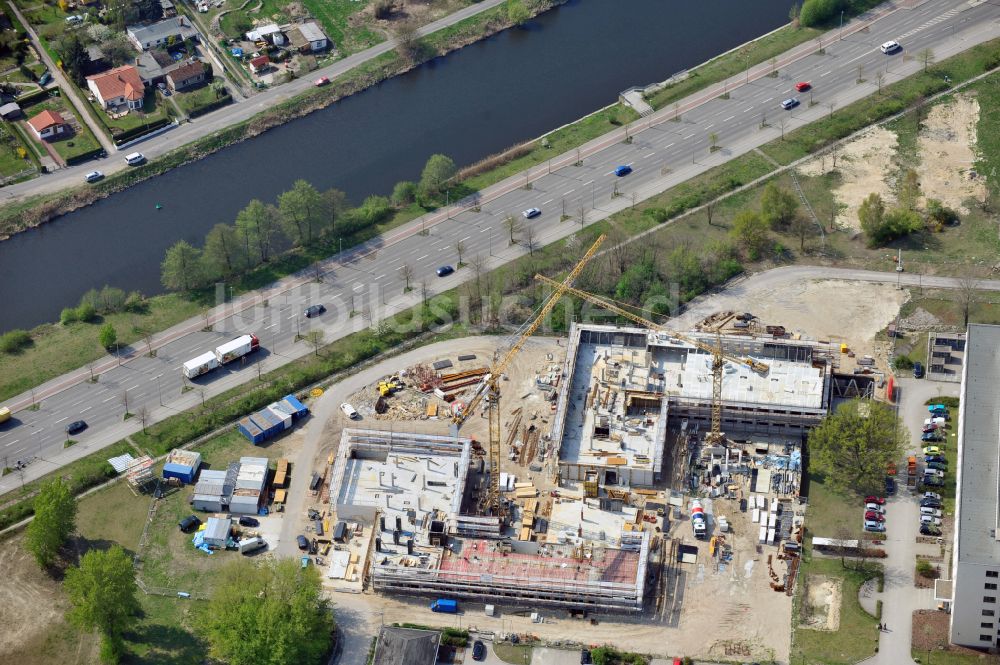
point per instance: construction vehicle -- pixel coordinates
(388, 387)
(698, 522)
(719, 356)
(4, 414)
(489, 386)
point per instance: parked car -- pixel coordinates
(939, 466)
(623, 170)
(478, 650)
(313, 310)
(927, 510)
(890, 486)
(444, 271)
(189, 524)
(931, 481)
(874, 506)
(321, 81)
(936, 473)
(932, 495)
(930, 503)
(931, 436)
(585, 657)
(302, 542)
(932, 450)
(935, 458)
(890, 46)
(349, 411)
(93, 176)
(929, 428)
(928, 530)
(874, 499)
(246, 520)
(872, 516)
(929, 519)
(135, 158)
(790, 103)
(76, 427)
(531, 212)
(871, 525)
(46, 77)
(918, 370)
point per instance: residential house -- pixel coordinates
(259, 64)
(187, 75)
(308, 38)
(153, 66)
(267, 33)
(164, 33)
(406, 646)
(116, 87)
(48, 125)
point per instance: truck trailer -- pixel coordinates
(231, 350)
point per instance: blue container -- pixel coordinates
(250, 430)
(298, 409)
(182, 472)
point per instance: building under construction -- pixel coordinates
(399, 501)
(623, 386)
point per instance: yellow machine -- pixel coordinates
(719, 356)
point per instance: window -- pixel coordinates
(989, 599)
(987, 613)
(992, 573)
(989, 586)
(985, 638)
(986, 624)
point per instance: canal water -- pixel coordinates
(514, 86)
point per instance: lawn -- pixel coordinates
(153, 110)
(193, 100)
(517, 654)
(82, 140)
(11, 162)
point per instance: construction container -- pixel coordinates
(251, 431)
(182, 465)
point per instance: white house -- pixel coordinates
(117, 87)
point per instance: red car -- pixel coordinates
(872, 515)
(929, 428)
(802, 86)
(321, 81)
(874, 499)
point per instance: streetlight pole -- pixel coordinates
(159, 392)
(491, 242)
(841, 25)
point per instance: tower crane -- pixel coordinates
(489, 388)
(719, 356)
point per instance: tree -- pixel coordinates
(778, 206)
(258, 224)
(117, 49)
(530, 242)
(74, 55)
(750, 230)
(513, 226)
(55, 520)
(304, 213)
(802, 227)
(408, 42)
(517, 12)
(222, 251)
(713, 140)
(460, 250)
(853, 446)
(315, 339)
(404, 193)
(337, 206)
(270, 614)
(107, 336)
(871, 214)
(406, 272)
(909, 190)
(967, 287)
(102, 595)
(816, 12)
(181, 269)
(437, 171)
(926, 58)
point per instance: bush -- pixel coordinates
(949, 402)
(902, 361)
(926, 569)
(658, 215)
(14, 341)
(86, 312)
(108, 336)
(404, 193)
(938, 213)
(136, 132)
(68, 316)
(135, 303)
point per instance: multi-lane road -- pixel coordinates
(368, 283)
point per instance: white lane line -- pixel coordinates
(86, 409)
(652, 154)
(421, 258)
(4, 434)
(6, 445)
(484, 229)
(544, 203)
(291, 317)
(269, 327)
(379, 277)
(825, 73)
(401, 267)
(749, 108)
(108, 399)
(133, 387)
(154, 378)
(858, 58)
(358, 286)
(729, 118)
(767, 100)
(710, 126)
(58, 421)
(587, 183)
(669, 145)
(465, 238)
(569, 192)
(688, 136)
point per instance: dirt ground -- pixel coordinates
(863, 165)
(930, 634)
(947, 153)
(824, 596)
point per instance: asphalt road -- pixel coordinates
(218, 120)
(368, 280)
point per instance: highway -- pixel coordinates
(369, 280)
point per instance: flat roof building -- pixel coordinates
(975, 568)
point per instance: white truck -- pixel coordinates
(228, 352)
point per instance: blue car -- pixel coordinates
(890, 485)
(444, 271)
(623, 170)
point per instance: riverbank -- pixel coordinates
(32, 212)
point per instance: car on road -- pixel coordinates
(930, 519)
(918, 370)
(928, 530)
(189, 524)
(478, 650)
(303, 542)
(623, 170)
(313, 310)
(932, 495)
(872, 516)
(444, 271)
(803, 86)
(321, 81)
(349, 411)
(246, 520)
(93, 176)
(135, 158)
(789, 103)
(76, 427)
(531, 212)
(874, 499)
(890, 46)
(890, 485)
(927, 510)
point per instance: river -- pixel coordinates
(512, 87)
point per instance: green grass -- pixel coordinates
(81, 142)
(10, 161)
(724, 66)
(333, 15)
(517, 654)
(193, 100)
(153, 109)
(988, 133)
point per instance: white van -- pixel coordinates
(349, 411)
(251, 545)
(134, 158)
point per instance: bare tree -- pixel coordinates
(618, 250)
(581, 215)
(143, 414)
(124, 402)
(879, 80)
(967, 287)
(713, 141)
(408, 42)
(710, 211)
(513, 226)
(926, 58)
(315, 339)
(801, 226)
(861, 74)
(782, 125)
(529, 239)
(460, 250)
(843, 534)
(406, 272)
(90, 368)
(774, 66)
(147, 337)
(423, 291)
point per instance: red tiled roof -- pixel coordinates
(184, 72)
(121, 81)
(46, 119)
(260, 60)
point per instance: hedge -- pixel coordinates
(90, 154)
(32, 97)
(208, 108)
(136, 132)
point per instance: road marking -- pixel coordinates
(291, 317)
(358, 286)
(4, 434)
(108, 399)
(87, 409)
(867, 53)
(668, 146)
(688, 136)
(485, 229)
(268, 327)
(401, 267)
(421, 258)
(587, 183)
(465, 238)
(570, 192)
(58, 421)
(710, 126)
(652, 154)
(156, 377)
(749, 108)
(825, 73)
(14, 441)
(379, 277)
(767, 100)
(544, 203)
(133, 387)
(729, 118)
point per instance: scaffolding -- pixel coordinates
(138, 473)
